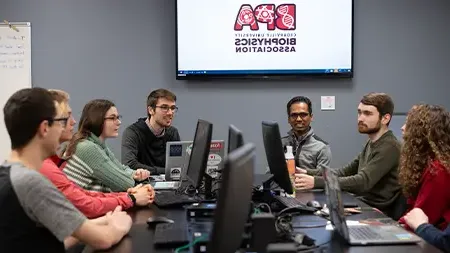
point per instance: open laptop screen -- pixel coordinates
(334, 202)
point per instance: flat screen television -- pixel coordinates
(262, 38)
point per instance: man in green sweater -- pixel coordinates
(372, 175)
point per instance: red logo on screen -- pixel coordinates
(281, 17)
(215, 145)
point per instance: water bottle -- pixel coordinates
(290, 160)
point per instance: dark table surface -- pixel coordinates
(140, 238)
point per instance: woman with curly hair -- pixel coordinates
(425, 164)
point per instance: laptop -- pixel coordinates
(177, 157)
(364, 234)
(177, 160)
(185, 191)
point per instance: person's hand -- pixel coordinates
(120, 220)
(142, 196)
(141, 174)
(134, 189)
(303, 182)
(151, 191)
(415, 218)
(299, 171)
(101, 220)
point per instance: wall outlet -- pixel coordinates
(328, 103)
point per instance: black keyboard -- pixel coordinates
(171, 235)
(293, 202)
(173, 199)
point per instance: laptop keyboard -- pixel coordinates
(166, 185)
(171, 234)
(172, 198)
(364, 233)
(292, 202)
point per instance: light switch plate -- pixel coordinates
(328, 103)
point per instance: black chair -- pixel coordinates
(398, 208)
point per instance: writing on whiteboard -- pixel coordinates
(12, 37)
(12, 52)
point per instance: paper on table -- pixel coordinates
(349, 223)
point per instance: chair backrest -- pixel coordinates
(398, 207)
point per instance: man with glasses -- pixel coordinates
(144, 142)
(309, 150)
(34, 215)
(91, 203)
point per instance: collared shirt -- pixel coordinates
(160, 134)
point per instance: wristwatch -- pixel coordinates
(133, 198)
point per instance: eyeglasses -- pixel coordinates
(62, 120)
(114, 117)
(295, 116)
(165, 108)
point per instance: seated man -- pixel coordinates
(309, 150)
(144, 142)
(373, 174)
(35, 216)
(90, 203)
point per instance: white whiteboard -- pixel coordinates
(15, 71)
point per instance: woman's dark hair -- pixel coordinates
(91, 121)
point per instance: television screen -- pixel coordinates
(262, 38)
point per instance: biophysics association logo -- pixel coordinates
(279, 22)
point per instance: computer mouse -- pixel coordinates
(158, 219)
(314, 203)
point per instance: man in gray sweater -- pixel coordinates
(309, 150)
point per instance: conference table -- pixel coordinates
(140, 238)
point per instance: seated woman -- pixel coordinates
(418, 221)
(90, 163)
(425, 163)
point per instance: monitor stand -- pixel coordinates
(265, 195)
(208, 187)
(267, 185)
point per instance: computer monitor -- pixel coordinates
(275, 156)
(234, 201)
(235, 138)
(199, 154)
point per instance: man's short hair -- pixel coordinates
(153, 97)
(24, 112)
(299, 99)
(61, 97)
(382, 101)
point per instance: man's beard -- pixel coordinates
(366, 130)
(162, 122)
